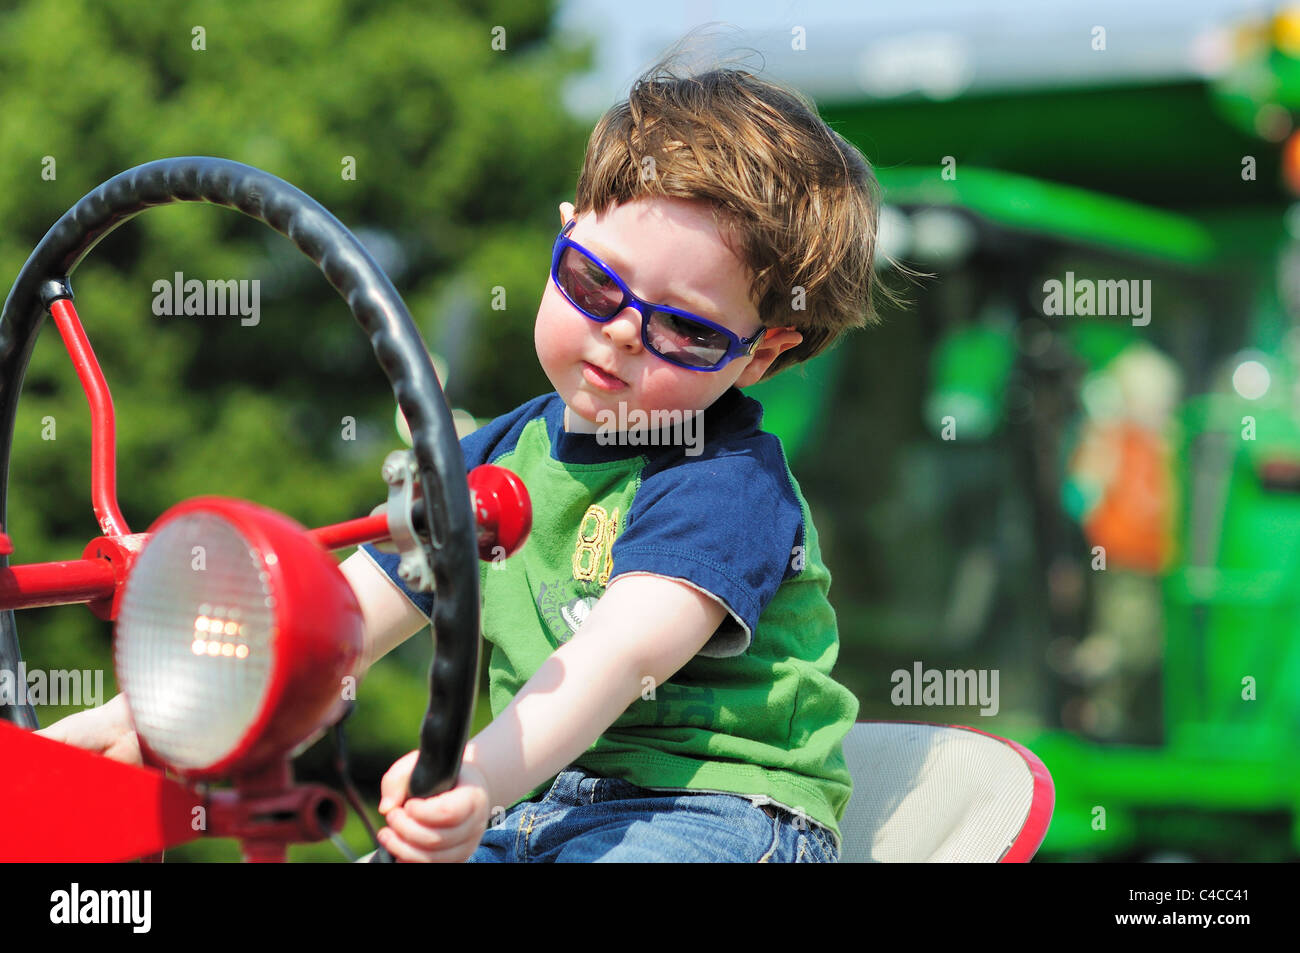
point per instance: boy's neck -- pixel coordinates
(573, 423)
(576, 423)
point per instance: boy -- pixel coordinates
(662, 645)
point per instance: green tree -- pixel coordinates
(437, 134)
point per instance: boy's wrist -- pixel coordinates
(119, 712)
(470, 764)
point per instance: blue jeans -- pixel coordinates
(586, 818)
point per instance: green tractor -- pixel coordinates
(1127, 347)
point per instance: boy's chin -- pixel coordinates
(599, 408)
(589, 406)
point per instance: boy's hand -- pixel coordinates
(444, 829)
(104, 730)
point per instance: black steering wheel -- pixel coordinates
(450, 541)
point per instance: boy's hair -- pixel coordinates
(795, 201)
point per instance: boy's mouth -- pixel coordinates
(602, 379)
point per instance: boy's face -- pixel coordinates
(668, 251)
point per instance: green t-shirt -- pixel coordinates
(756, 711)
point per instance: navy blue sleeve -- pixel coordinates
(725, 522)
(484, 445)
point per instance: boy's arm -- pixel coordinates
(388, 617)
(642, 626)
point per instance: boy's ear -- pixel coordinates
(566, 213)
(774, 344)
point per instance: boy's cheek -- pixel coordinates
(549, 357)
(545, 353)
(553, 336)
(683, 390)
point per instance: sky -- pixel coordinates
(927, 48)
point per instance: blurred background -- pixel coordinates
(1101, 508)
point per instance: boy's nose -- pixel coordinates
(624, 330)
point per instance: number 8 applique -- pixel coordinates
(595, 546)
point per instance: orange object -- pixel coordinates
(1132, 520)
(1291, 162)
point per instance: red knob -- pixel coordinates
(502, 508)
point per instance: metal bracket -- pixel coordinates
(402, 476)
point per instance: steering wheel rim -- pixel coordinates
(451, 544)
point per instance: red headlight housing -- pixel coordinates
(236, 636)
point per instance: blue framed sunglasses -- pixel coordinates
(678, 337)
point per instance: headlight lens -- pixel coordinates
(195, 640)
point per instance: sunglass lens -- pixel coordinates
(686, 341)
(587, 284)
